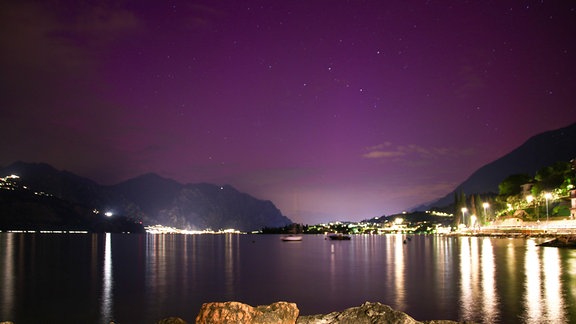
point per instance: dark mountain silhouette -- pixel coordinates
(56, 201)
(537, 152)
(148, 198)
(198, 206)
(149, 191)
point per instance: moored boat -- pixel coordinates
(561, 241)
(291, 238)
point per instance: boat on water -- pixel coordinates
(291, 238)
(561, 241)
(339, 237)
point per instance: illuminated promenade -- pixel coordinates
(519, 227)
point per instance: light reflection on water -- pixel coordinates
(552, 290)
(145, 278)
(7, 283)
(543, 300)
(399, 267)
(490, 299)
(477, 280)
(231, 256)
(107, 301)
(466, 278)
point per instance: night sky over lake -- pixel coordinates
(333, 110)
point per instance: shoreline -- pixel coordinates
(553, 239)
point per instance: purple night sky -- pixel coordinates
(334, 110)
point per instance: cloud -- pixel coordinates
(387, 150)
(382, 154)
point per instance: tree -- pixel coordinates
(558, 175)
(473, 209)
(479, 209)
(459, 203)
(456, 216)
(512, 185)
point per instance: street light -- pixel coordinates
(485, 205)
(464, 210)
(547, 196)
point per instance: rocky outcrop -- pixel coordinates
(235, 312)
(367, 313)
(287, 313)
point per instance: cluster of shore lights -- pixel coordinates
(47, 232)
(161, 229)
(438, 213)
(6, 183)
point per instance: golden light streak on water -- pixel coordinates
(185, 264)
(157, 275)
(475, 269)
(571, 271)
(230, 242)
(489, 296)
(443, 259)
(466, 278)
(399, 271)
(511, 261)
(533, 298)
(552, 289)
(333, 278)
(8, 279)
(107, 299)
(389, 260)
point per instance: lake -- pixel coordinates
(95, 278)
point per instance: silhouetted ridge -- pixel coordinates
(154, 199)
(537, 152)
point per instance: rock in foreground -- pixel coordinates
(368, 313)
(287, 313)
(235, 312)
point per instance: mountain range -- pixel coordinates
(68, 200)
(149, 199)
(537, 152)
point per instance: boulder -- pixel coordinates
(235, 312)
(368, 313)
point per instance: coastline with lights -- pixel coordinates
(161, 229)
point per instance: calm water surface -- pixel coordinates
(89, 278)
